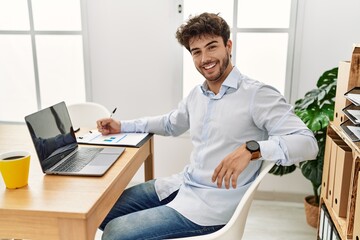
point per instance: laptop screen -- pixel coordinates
(52, 134)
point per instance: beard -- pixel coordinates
(216, 77)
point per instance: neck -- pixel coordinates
(215, 85)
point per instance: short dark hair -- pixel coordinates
(201, 25)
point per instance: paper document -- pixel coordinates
(355, 98)
(355, 114)
(355, 131)
(120, 139)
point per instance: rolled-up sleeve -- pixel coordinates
(174, 123)
(289, 141)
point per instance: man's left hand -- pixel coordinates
(231, 167)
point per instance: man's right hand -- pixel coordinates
(108, 125)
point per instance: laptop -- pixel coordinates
(57, 149)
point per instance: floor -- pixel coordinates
(273, 220)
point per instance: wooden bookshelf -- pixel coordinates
(343, 221)
(344, 225)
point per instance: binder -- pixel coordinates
(321, 222)
(335, 235)
(326, 167)
(332, 171)
(342, 179)
(328, 229)
(341, 88)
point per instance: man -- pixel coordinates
(235, 123)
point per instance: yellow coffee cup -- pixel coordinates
(14, 168)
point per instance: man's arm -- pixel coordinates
(289, 142)
(173, 123)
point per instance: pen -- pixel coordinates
(113, 112)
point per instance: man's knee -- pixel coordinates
(111, 231)
(119, 228)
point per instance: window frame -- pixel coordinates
(290, 81)
(33, 33)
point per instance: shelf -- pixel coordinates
(345, 225)
(353, 95)
(352, 112)
(339, 222)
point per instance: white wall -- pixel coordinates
(330, 27)
(136, 65)
(132, 51)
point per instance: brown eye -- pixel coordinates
(195, 53)
(212, 47)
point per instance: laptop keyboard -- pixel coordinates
(78, 160)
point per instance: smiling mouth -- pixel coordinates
(209, 66)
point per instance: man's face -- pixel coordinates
(211, 57)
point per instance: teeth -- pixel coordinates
(210, 66)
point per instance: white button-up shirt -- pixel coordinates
(243, 110)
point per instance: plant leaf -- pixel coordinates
(280, 170)
(327, 77)
(312, 170)
(314, 118)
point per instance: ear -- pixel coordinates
(229, 46)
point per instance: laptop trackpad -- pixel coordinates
(107, 156)
(103, 160)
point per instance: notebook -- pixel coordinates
(57, 149)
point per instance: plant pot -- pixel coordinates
(311, 211)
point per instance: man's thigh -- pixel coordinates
(155, 223)
(137, 198)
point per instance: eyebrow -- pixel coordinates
(193, 49)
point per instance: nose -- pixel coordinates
(205, 57)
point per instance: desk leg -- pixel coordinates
(149, 162)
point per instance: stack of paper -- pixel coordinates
(120, 139)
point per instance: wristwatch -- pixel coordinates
(254, 148)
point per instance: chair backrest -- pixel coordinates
(86, 114)
(234, 229)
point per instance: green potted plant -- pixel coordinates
(316, 110)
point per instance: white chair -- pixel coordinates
(86, 114)
(234, 229)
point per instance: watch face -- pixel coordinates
(252, 146)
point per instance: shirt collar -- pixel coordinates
(230, 83)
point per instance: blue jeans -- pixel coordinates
(138, 214)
